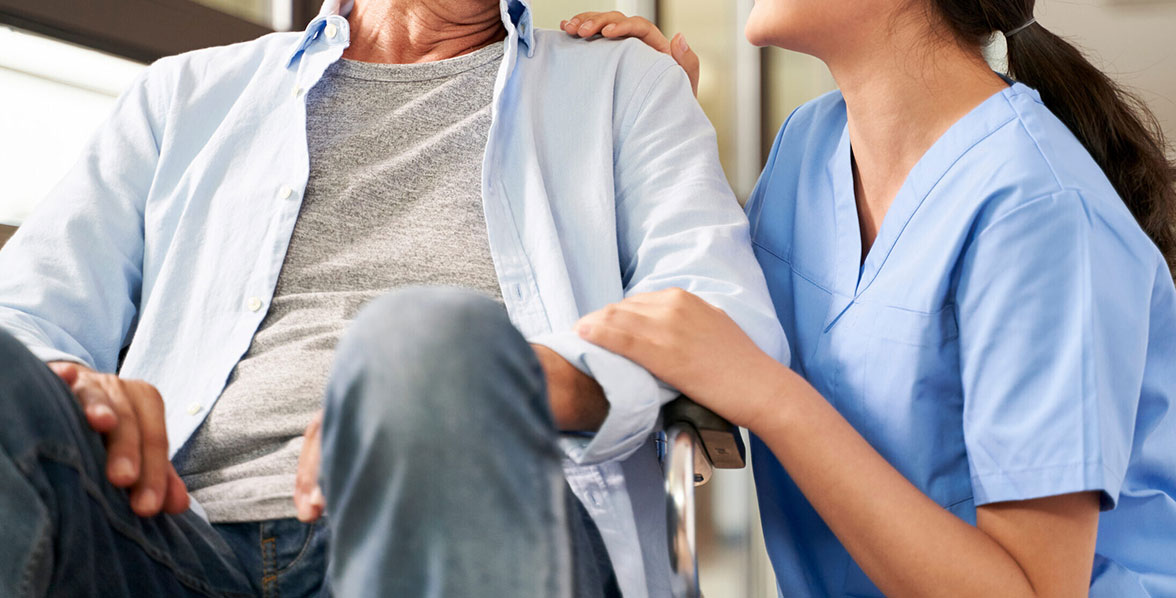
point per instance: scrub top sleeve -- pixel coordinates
(1052, 309)
(755, 200)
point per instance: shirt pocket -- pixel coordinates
(913, 328)
(910, 358)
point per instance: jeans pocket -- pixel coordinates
(288, 543)
(293, 557)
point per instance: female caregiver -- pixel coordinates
(983, 334)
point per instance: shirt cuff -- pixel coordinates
(37, 346)
(1039, 482)
(634, 396)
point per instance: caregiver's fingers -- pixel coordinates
(639, 28)
(621, 329)
(686, 58)
(587, 24)
(614, 25)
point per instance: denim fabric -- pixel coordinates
(286, 557)
(282, 557)
(441, 466)
(442, 478)
(64, 530)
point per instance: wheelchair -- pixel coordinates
(697, 441)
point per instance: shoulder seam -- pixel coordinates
(1040, 152)
(158, 104)
(648, 91)
(1028, 204)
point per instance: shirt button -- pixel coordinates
(331, 31)
(195, 408)
(254, 304)
(285, 192)
(522, 29)
(298, 92)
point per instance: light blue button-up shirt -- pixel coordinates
(600, 180)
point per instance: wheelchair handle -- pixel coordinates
(721, 441)
(697, 441)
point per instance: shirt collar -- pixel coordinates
(516, 15)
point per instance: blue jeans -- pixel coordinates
(440, 468)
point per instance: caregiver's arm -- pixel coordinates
(906, 543)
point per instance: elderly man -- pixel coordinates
(475, 186)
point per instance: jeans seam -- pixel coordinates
(269, 574)
(40, 549)
(71, 458)
(301, 553)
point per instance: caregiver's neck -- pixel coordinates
(904, 87)
(410, 31)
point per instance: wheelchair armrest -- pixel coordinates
(720, 440)
(696, 441)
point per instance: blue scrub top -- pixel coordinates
(1010, 335)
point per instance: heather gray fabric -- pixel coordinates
(394, 199)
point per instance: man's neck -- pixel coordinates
(410, 31)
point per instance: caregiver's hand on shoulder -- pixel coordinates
(615, 25)
(689, 344)
(129, 415)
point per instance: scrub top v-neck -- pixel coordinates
(1011, 334)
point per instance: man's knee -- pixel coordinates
(430, 363)
(425, 324)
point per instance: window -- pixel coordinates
(145, 30)
(276, 15)
(64, 62)
(55, 96)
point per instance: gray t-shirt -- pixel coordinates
(394, 198)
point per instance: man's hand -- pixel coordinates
(577, 401)
(130, 416)
(308, 497)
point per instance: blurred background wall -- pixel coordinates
(1133, 40)
(63, 63)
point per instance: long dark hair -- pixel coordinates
(1121, 134)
